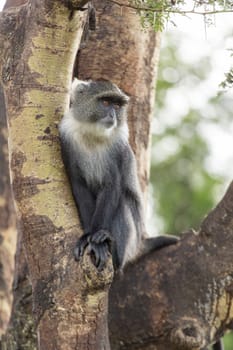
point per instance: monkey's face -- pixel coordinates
(101, 104)
(110, 112)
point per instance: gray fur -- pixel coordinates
(103, 175)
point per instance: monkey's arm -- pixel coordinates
(106, 204)
(84, 200)
(100, 237)
(99, 243)
(83, 197)
(85, 203)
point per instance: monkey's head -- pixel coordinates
(100, 103)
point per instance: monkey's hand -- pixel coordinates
(99, 246)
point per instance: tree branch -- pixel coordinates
(181, 12)
(180, 296)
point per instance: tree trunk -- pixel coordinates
(7, 224)
(69, 300)
(178, 298)
(121, 51)
(22, 286)
(18, 329)
(137, 323)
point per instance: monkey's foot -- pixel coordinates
(98, 246)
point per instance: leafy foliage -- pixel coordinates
(228, 82)
(156, 13)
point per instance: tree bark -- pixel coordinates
(187, 301)
(7, 224)
(69, 300)
(136, 318)
(7, 252)
(121, 51)
(177, 298)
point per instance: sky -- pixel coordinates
(198, 40)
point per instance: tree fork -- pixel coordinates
(146, 317)
(187, 301)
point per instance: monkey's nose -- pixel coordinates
(109, 121)
(112, 114)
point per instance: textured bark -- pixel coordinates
(18, 334)
(14, 3)
(7, 224)
(69, 300)
(120, 51)
(181, 296)
(178, 298)
(21, 332)
(154, 303)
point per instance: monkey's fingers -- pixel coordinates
(93, 250)
(102, 236)
(81, 246)
(99, 254)
(78, 252)
(104, 253)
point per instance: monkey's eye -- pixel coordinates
(105, 103)
(117, 106)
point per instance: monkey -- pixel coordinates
(101, 167)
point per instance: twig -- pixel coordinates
(144, 8)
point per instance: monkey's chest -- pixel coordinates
(97, 168)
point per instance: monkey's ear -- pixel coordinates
(77, 86)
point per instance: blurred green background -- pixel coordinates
(187, 178)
